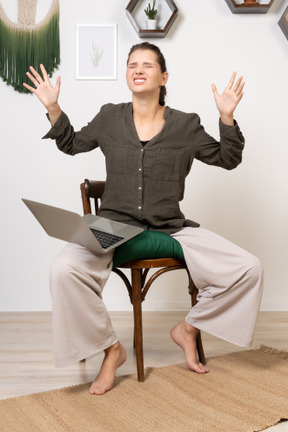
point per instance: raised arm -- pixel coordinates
(46, 93)
(227, 102)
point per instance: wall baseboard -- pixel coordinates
(26, 306)
(45, 306)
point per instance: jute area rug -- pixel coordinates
(245, 391)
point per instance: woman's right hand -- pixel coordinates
(46, 93)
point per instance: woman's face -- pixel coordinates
(144, 73)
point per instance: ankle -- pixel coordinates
(189, 329)
(114, 347)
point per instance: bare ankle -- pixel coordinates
(185, 335)
(113, 348)
(193, 331)
(115, 356)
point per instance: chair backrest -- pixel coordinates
(91, 190)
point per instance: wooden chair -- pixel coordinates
(138, 287)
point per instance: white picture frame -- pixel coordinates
(96, 52)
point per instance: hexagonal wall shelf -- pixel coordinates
(248, 7)
(167, 12)
(283, 23)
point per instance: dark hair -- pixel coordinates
(160, 59)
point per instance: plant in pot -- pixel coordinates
(151, 13)
(251, 2)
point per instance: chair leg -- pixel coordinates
(200, 350)
(193, 291)
(138, 330)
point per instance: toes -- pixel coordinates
(97, 390)
(198, 368)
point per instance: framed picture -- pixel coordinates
(96, 52)
(283, 23)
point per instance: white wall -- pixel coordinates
(249, 205)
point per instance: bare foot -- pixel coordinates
(185, 336)
(115, 356)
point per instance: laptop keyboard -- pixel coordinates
(105, 239)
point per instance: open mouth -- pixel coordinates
(139, 80)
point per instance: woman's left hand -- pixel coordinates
(229, 99)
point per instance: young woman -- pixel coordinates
(149, 150)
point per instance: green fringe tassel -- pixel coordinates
(20, 49)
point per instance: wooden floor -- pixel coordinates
(26, 363)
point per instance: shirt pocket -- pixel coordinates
(164, 164)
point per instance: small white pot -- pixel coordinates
(151, 24)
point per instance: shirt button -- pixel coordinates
(139, 187)
(139, 208)
(140, 169)
(142, 150)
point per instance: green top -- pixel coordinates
(144, 185)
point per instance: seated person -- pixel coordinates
(149, 150)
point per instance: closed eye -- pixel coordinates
(147, 65)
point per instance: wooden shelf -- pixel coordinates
(248, 8)
(158, 33)
(283, 23)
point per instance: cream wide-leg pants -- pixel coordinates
(230, 284)
(229, 280)
(81, 324)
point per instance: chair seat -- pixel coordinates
(153, 263)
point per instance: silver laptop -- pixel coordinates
(93, 232)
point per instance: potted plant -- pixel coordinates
(254, 2)
(151, 15)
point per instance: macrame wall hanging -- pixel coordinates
(28, 44)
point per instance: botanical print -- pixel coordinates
(96, 52)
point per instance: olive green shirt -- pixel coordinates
(145, 184)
